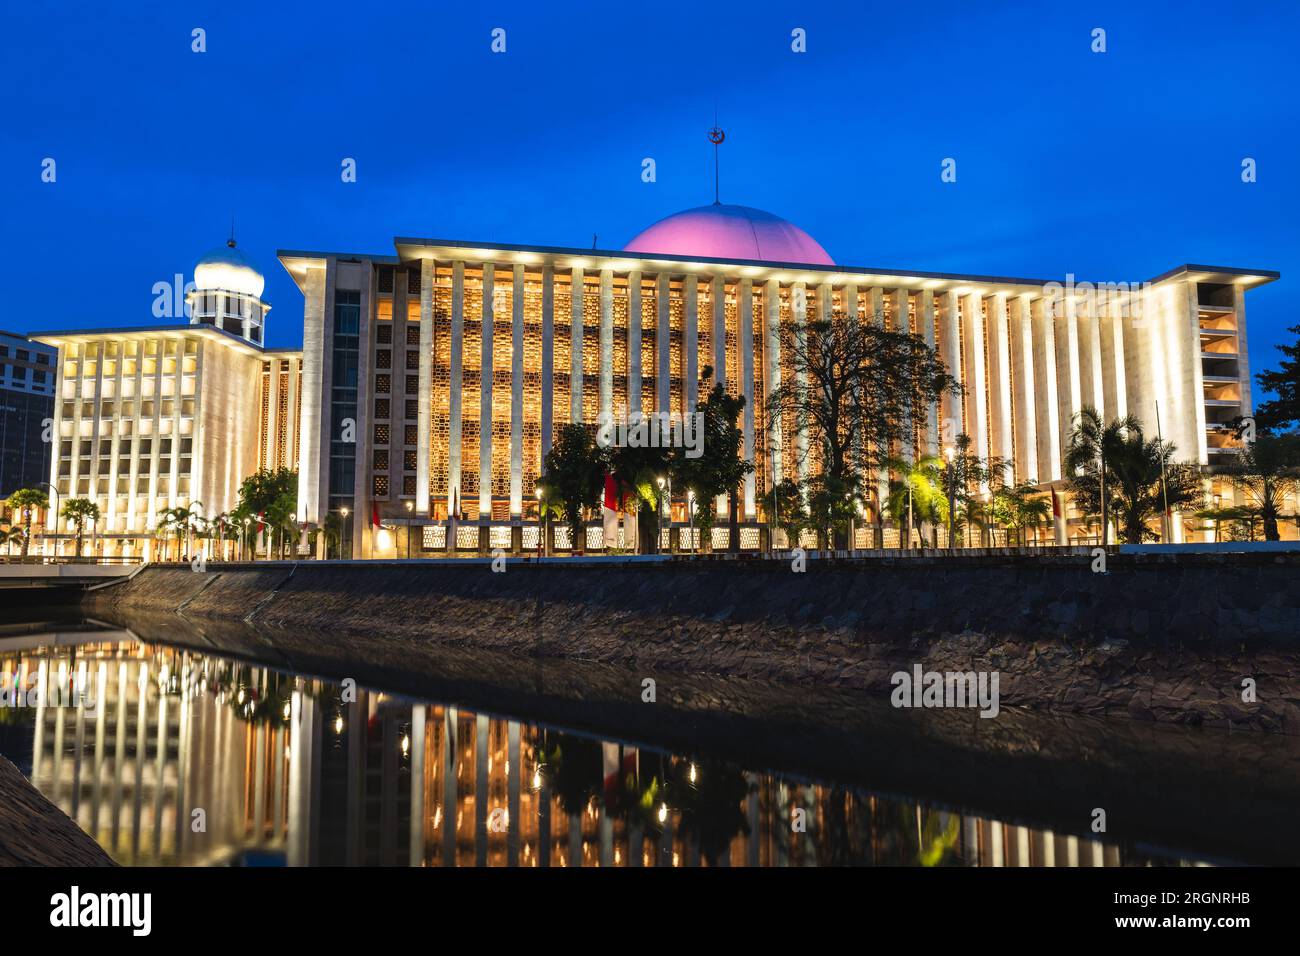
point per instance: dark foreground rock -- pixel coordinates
(36, 832)
(1156, 638)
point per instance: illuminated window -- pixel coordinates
(383, 384)
(381, 459)
(381, 486)
(381, 434)
(381, 407)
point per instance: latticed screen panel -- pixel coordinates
(532, 423)
(649, 335)
(265, 430)
(591, 349)
(440, 383)
(282, 412)
(703, 333)
(731, 324)
(676, 340)
(561, 353)
(787, 427)
(762, 469)
(503, 303)
(470, 394)
(619, 366)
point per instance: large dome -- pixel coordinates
(226, 269)
(730, 232)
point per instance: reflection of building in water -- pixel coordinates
(283, 768)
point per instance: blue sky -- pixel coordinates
(1111, 166)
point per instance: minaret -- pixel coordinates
(228, 293)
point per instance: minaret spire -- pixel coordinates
(231, 241)
(716, 136)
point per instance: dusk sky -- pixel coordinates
(1113, 166)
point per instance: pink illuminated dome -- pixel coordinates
(724, 231)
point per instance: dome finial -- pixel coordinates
(716, 136)
(231, 241)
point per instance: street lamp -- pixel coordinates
(1217, 499)
(410, 507)
(690, 515)
(245, 544)
(949, 480)
(543, 524)
(55, 493)
(343, 533)
(658, 514)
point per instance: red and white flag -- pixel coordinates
(374, 515)
(609, 513)
(1056, 505)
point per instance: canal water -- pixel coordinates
(172, 755)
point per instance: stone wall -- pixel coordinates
(1157, 637)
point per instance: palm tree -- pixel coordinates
(178, 520)
(25, 500)
(1093, 445)
(1267, 472)
(79, 511)
(1146, 481)
(9, 537)
(911, 492)
(1021, 507)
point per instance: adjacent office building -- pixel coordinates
(26, 411)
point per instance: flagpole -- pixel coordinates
(1164, 488)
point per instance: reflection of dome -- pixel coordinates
(226, 269)
(730, 232)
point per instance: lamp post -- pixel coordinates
(410, 507)
(987, 531)
(244, 544)
(659, 515)
(1217, 499)
(950, 481)
(343, 533)
(54, 492)
(543, 524)
(690, 516)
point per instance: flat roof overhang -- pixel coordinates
(225, 338)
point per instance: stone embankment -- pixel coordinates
(1157, 637)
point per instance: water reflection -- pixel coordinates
(168, 756)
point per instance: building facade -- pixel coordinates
(26, 410)
(159, 417)
(434, 379)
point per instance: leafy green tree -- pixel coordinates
(785, 509)
(910, 491)
(1267, 473)
(1018, 508)
(24, 501)
(573, 475)
(719, 468)
(857, 388)
(273, 494)
(1284, 382)
(964, 474)
(11, 536)
(637, 472)
(79, 511)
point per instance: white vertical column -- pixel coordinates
(925, 321)
(457, 375)
(1067, 353)
(517, 394)
(1094, 383)
(825, 301)
(634, 342)
(899, 303)
(424, 401)
(950, 352)
(772, 369)
(1026, 409)
(548, 358)
(877, 316)
(718, 339)
(485, 395)
(691, 342)
(1190, 380)
(1112, 344)
(663, 341)
(1243, 350)
(606, 343)
(575, 346)
(1000, 379)
(799, 308)
(977, 399)
(1048, 409)
(745, 316)
(850, 295)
